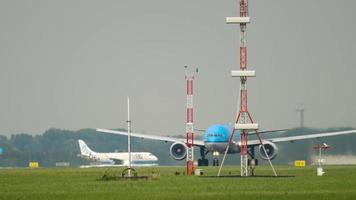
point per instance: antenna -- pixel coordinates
(129, 135)
(244, 121)
(320, 147)
(189, 77)
(301, 111)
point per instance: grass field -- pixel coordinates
(339, 182)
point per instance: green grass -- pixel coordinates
(339, 182)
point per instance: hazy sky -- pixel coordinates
(71, 63)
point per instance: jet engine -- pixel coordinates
(178, 150)
(271, 149)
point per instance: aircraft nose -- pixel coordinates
(154, 158)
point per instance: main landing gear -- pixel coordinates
(203, 161)
(252, 162)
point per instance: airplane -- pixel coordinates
(326, 146)
(116, 159)
(216, 139)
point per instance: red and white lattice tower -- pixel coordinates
(244, 120)
(189, 77)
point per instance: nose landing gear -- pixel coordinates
(203, 161)
(216, 158)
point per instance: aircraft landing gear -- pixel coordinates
(216, 158)
(252, 162)
(203, 161)
(215, 162)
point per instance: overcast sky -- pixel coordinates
(71, 63)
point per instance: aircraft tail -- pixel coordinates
(84, 149)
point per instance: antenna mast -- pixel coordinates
(129, 135)
(301, 111)
(189, 77)
(244, 121)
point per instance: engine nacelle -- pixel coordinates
(271, 149)
(178, 150)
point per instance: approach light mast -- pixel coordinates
(189, 77)
(243, 121)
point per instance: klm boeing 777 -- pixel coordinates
(216, 139)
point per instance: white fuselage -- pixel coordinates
(122, 159)
(115, 158)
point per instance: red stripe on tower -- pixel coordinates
(243, 101)
(189, 87)
(189, 115)
(243, 8)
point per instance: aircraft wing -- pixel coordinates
(267, 131)
(151, 137)
(302, 137)
(251, 132)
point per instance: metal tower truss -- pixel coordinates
(244, 121)
(189, 77)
